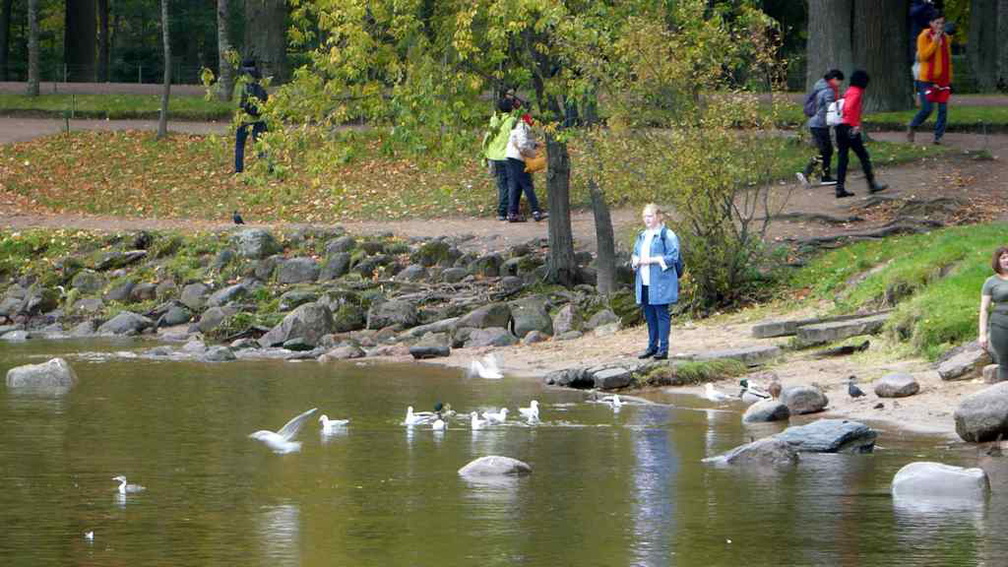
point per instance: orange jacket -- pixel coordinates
(933, 58)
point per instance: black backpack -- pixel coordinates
(811, 106)
(679, 266)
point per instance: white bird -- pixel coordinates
(713, 395)
(89, 536)
(438, 425)
(613, 401)
(281, 442)
(475, 421)
(127, 488)
(332, 425)
(417, 418)
(488, 368)
(530, 413)
(496, 417)
(751, 394)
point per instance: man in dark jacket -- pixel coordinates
(253, 97)
(827, 90)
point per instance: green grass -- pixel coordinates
(934, 280)
(115, 106)
(960, 117)
(682, 373)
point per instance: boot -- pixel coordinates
(909, 134)
(874, 187)
(841, 192)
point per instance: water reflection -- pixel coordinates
(279, 529)
(655, 468)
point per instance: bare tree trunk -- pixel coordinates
(33, 48)
(103, 40)
(5, 19)
(1002, 54)
(982, 46)
(605, 262)
(225, 80)
(561, 265)
(879, 40)
(162, 130)
(829, 39)
(80, 40)
(266, 36)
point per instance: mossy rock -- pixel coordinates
(432, 253)
(624, 304)
(349, 317)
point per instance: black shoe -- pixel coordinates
(937, 142)
(515, 218)
(502, 217)
(661, 356)
(841, 193)
(876, 187)
(538, 216)
(646, 354)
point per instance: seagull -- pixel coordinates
(713, 395)
(237, 218)
(853, 390)
(751, 394)
(438, 425)
(495, 417)
(486, 369)
(613, 401)
(530, 413)
(418, 417)
(89, 536)
(332, 425)
(281, 441)
(475, 421)
(127, 488)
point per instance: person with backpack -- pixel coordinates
(825, 91)
(522, 144)
(657, 266)
(848, 136)
(495, 142)
(253, 97)
(934, 76)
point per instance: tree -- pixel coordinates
(1002, 32)
(166, 91)
(80, 40)
(33, 48)
(225, 83)
(103, 40)
(829, 39)
(266, 36)
(982, 46)
(6, 6)
(879, 39)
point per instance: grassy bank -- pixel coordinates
(114, 106)
(961, 118)
(932, 280)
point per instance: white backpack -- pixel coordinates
(834, 112)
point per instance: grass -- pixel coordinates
(115, 106)
(699, 372)
(933, 280)
(961, 117)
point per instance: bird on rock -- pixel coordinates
(853, 390)
(237, 218)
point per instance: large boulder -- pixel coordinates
(345, 352)
(493, 336)
(194, 295)
(983, 415)
(896, 385)
(804, 399)
(87, 281)
(603, 317)
(453, 275)
(340, 245)
(392, 312)
(567, 319)
(830, 436)
(495, 466)
(492, 315)
(963, 362)
(144, 291)
(529, 314)
(769, 451)
(126, 323)
(336, 265)
(298, 270)
(254, 243)
(227, 295)
(212, 318)
(55, 373)
(612, 378)
(925, 480)
(309, 322)
(176, 314)
(767, 410)
(486, 266)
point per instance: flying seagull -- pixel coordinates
(281, 442)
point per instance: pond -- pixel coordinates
(624, 488)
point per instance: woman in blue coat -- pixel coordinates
(656, 264)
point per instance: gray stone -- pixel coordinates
(603, 317)
(990, 374)
(769, 451)
(340, 245)
(263, 269)
(492, 315)
(370, 265)
(372, 246)
(345, 352)
(244, 344)
(309, 321)
(336, 266)
(53, 374)
(491, 336)
(15, 336)
(144, 291)
(770, 329)
(833, 331)
(533, 337)
(983, 415)
(495, 466)
(612, 378)
(175, 315)
(227, 295)
(570, 378)
(218, 354)
(442, 326)
(87, 306)
(421, 352)
(392, 312)
(119, 259)
(211, 319)
(254, 243)
(84, 329)
(751, 356)
(412, 273)
(349, 317)
(87, 281)
(897, 385)
(567, 319)
(294, 298)
(194, 346)
(804, 399)
(432, 253)
(966, 363)
(126, 323)
(830, 436)
(194, 295)
(486, 266)
(224, 257)
(926, 480)
(11, 306)
(40, 299)
(166, 289)
(511, 284)
(529, 314)
(767, 410)
(453, 275)
(298, 270)
(606, 330)
(298, 344)
(568, 336)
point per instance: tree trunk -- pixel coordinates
(225, 79)
(982, 45)
(103, 40)
(1002, 55)
(33, 48)
(561, 265)
(880, 40)
(605, 262)
(5, 20)
(829, 39)
(162, 129)
(266, 36)
(80, 40)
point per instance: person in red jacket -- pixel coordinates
(848, 137)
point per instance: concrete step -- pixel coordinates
(788, 327)
(751, 356)
(820, 333)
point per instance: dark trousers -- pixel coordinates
(997, 336)
(925, 110)
(241, 134)
(520, 181)
(822, 141)
(659, 322)
(501, 175)
(845, 143)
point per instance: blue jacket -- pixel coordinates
(664, 286)
(824, 97)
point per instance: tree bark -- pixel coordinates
(266, 36)
(982, 45)
(80, 40)
(5, 20)
(103, 40)
(1002, 32)
(162, 130)
(561, 265)
(225, 79)
(829, 39)
(879, 38)
(33, 48)
(605, 261)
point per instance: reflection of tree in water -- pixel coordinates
(654, 484)
(280, 534)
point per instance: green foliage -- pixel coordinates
(683, 373)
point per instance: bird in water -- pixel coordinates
(125, 488)
(237, 218)
(487, 368)
(438, 425)
(332, 425)
(281, 442)
(613, 402)
(751, 394)
(852, 390)
(713, 395)
(418, 418)
(475, 422)
(530, 413)
(496, 416)
(89, 536)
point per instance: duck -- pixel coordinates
(332, 425)
(125, 488)
(751, 394)
(713, 395)
(417, 418)
(438, 425)
(475, 421)
(530, 413)
(282, 440)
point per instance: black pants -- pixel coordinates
(822, 141)
(520, 181)
(240, 136)
(501, 175)
(846, 142)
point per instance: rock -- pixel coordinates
(442, 326)
(126, 323)
(770, 329)
(533, 337)
(567, 319)
(571, 378)
(369, 266)
(803, 399)
(486, 266)
(392, 312)
(603, 317)
(336, 266)
(54, 374)
(87, 306)
(926, 480)
(568, 336)
(390, 350)
(606, 330)
(453, 275)
(119, 259)
(767, 410)
(294, 298)
(309, 321)
(495, 466)
(492, 315)
(492, 336)
(343, 353)
(218, 354)
(833, 331)
(263, 269)
(432, 253)
(897, 385)
(298, 344)
(412, 273)
(244, 344)
(983, 415)
(211, 319)
(194, 346)
(511, 284)
(612, 378)
(227, 295)
(769, 451)
(830, 436)
(254, 243)
(15, 336)
(751, 356)
(529, 314)
(87, 281)
(372, 247)
(990, 374)
(166, 289)
(194, 295)
(298, 270)
(144, 291)
(340, 245)
(964, 363)
(175, 315)
(421, 352)
(84, 329)
(224, 257)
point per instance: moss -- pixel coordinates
(624, 304)
(683, 373)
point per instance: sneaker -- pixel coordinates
(501, 217)
(910, 134)
(802, 179)
(827, 181)
(538, 216)
(841, 193)
(515, 218)
(661, 356)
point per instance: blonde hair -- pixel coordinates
(653, 209)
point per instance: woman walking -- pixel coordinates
(521, 145)
(993, 334)
(848, 137)
(657, 266)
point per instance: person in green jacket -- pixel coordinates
(495, 142)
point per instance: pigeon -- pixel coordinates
(332, 425)
(127, 488)
(530, 413)
(418, 418)
(475, 421)
(853, 390)
(237, 218)
(281, 442)
(496, 417)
